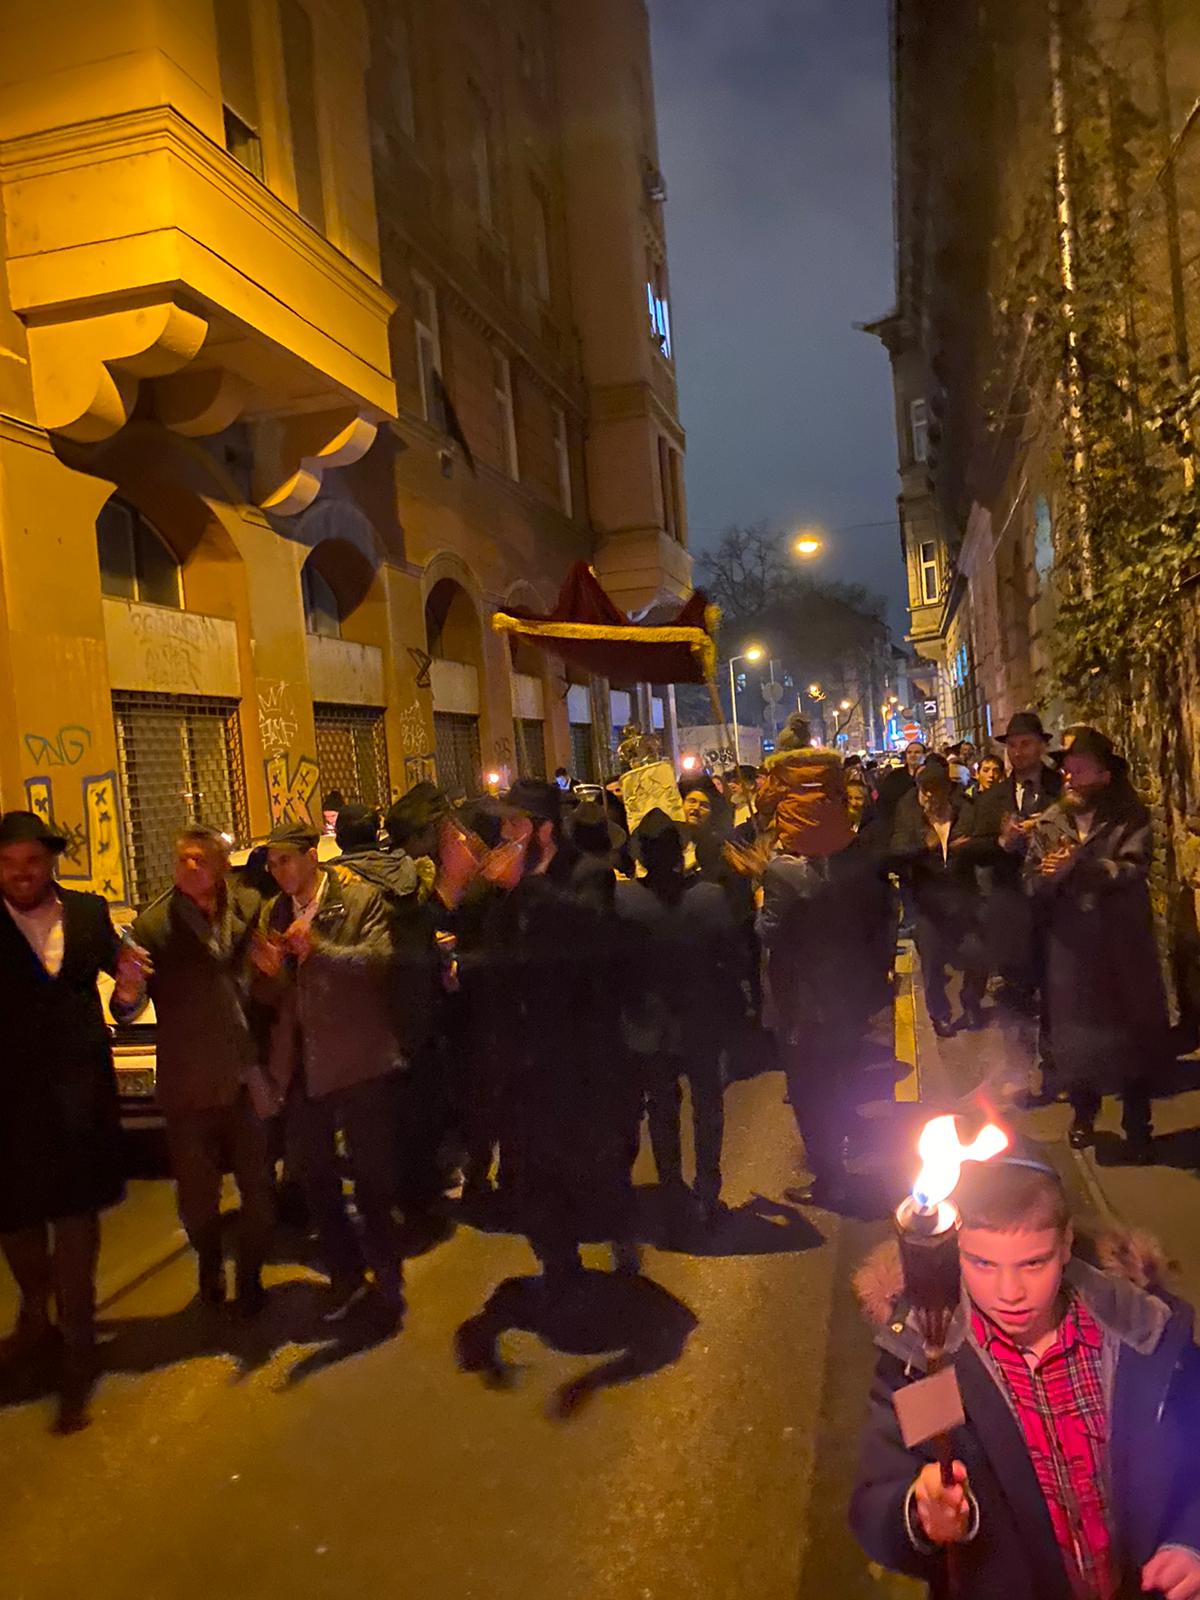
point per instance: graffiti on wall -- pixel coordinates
(423, 661)
(278, 723)
(413, 735)
(290, 790)
(66, 748)
(174, 646)
(94, 857)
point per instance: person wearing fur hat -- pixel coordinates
(1088, 867)
(1074, 1469)
(823, 893)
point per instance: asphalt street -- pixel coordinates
(245, 1463)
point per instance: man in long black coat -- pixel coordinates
(1088, 867)
(60, 1150)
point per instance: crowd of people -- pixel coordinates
(497, 993)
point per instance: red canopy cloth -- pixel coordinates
(588, 631)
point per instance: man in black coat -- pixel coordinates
(199, 935)
(1004, 817)
(929, 848)
(681, 1003)
(1075, 1465)
(60, 1131)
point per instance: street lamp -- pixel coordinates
(807, 544)
(754, 652)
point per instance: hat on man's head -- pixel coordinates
(1023, 722)
(591, 830)
(934, 775)
(1091, 742)
(654, 830)
(293, 836)
(417, 809)
(357, 825)
(26, 827)
(536, 798)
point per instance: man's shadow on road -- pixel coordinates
(637, 1324)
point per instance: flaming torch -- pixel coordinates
(927, 1225)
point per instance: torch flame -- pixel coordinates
(942, 1156)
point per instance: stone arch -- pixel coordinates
(339, 546)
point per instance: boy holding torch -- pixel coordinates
(1073, 1467)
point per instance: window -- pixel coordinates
(401, 80)
(929, 573)
(239, 91)
(918, 418)
(429, 348)
(299, 67)
(352, 753)
(180, 760)
(660, 310)
(135, 561)
(1043, 540)
(542, 280)
(482, 167)
(669, 484)
(562, 454)
(322, 614)
(529, 737)
(506, 416)
(458, 758)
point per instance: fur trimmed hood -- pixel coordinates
(1123, 1273)
(805, 796)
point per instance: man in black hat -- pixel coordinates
(681, 1002)
(324, 958)
(1004, 817)
(60, 1132)
(1088, 865)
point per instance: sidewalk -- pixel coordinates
(1164, 1199)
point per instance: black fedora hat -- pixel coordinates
(654, 828)
(537, 798)
(26, 827)
(591, 829)
(1091, 742)
(1023, 722)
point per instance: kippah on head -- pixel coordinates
(294, 836)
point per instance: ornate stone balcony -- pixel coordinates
(142, 257)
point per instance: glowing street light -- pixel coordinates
(806, 544)
(845, 705)
(752, 652)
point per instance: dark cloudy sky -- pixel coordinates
(774, 126)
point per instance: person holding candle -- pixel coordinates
(1072, 1474)
(1088, 869)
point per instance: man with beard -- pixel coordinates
(1088, 866)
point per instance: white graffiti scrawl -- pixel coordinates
(278, 723)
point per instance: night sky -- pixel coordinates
(774, 128)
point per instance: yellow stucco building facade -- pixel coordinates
(326, 326)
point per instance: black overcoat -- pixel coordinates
(60, 1132)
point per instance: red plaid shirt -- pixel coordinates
(1060, 1408)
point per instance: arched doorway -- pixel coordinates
(345, 621)
(452, 630)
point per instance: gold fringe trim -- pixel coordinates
(699, 642)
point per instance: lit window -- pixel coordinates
(1043, 539)
(135, 560)
(660, 311)
(918, 416)
(429, 348)
(502, 382)
(929, 573)
(482, 167)
(562, 453)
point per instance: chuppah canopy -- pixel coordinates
(587, 630)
